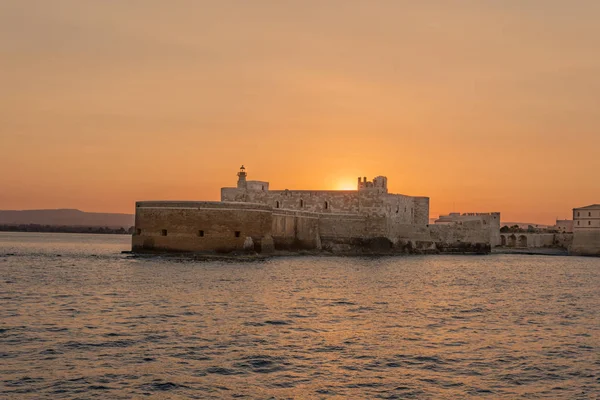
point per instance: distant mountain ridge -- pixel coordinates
(66, 217)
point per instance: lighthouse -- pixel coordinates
(241, 183)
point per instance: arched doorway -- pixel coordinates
(522, 241)
(502, 240)
(512, 241)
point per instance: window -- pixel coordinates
(237, 233)
(201, 233)
(163, 232)
(263, 188)
(277, 204)
(138, 231)
(326, 205)
(577, 222)
(578, 214)
(301, 203)
(589, 222)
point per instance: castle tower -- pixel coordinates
(241, 184)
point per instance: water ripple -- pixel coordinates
(96, 324)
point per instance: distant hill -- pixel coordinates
(65, 217)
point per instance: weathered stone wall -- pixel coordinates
(225, 226)
(295, 230)
(421, 210)
(257, 185)
(300, 200)
(199, 226)
(488, 222)
(372, 202)
(466, 232)
(564, 240)
(586, 242)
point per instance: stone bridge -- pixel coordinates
(515, 239)
(530, 240)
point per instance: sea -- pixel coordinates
(81, 320)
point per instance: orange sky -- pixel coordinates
(480, 105)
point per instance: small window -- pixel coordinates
(577, 222)
(589, 214)
(237, 233)
(326, 205)
(138, 231)
(277, 204)
(163, 232)
(201, 233)
(301, 203)
(263, 188)
(589, 222)
(578, 214)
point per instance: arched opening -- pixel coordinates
(502, 240)
(522, 241)
(277, 204)
(512, 241)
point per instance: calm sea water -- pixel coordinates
(81, 320)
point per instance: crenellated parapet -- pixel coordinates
(378, 183)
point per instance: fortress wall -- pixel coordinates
(397, 207)
(421, 216)
(295, 230)
(467, 232)
(312, 201)
(234, 195)
(176, 226)
(373, 202)
(488, 223)
(564, 240)
(586, 242)
(409, 232)
(342, 226)
(495, 233)
(540, 240)
(324, 201)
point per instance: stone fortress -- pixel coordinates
(251, 217)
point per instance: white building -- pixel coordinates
(586, 231)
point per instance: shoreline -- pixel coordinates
(306, 253)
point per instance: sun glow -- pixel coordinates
(346, 185)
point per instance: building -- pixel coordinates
(251, 216)
(488, 222)
(586, 231)
(371, 198)
(563, 226)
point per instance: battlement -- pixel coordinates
(379, 182)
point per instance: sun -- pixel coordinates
(346, 185)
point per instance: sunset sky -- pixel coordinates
(480, 105)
